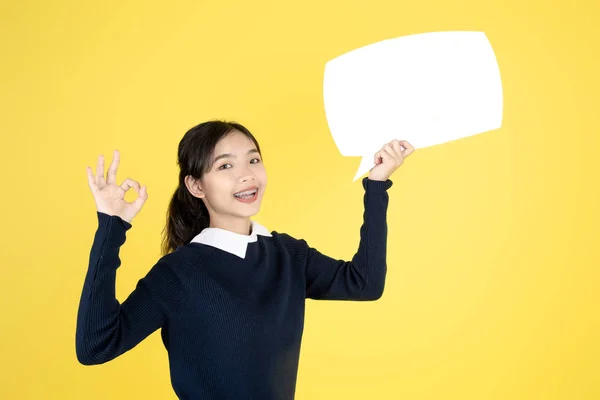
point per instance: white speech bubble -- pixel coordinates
(428, 88)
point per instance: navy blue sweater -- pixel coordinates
(232, 326)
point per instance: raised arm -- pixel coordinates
(363, 278)
(106, 328)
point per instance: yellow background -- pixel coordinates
(493, 289)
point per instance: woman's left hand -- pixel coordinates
(389, 158)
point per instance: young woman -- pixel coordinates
(228, 294)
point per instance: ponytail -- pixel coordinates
(187, 216)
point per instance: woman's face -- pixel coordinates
(237, 167)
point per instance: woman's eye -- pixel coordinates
(257, 161)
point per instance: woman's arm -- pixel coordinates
(106, 328)
(363, 278)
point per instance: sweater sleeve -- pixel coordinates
(106, 328)
(363, 278)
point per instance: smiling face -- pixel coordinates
(236, 166)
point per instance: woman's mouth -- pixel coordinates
(247, 197)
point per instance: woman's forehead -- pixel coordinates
(235, 142)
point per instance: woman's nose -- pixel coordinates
(247, 175)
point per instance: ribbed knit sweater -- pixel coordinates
(232, 326)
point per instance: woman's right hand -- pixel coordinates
(110, 198)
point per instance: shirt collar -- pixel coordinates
(231, 242)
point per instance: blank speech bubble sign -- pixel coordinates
(428, 88)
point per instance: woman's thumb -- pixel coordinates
(141, 199)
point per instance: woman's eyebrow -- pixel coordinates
(229, 155)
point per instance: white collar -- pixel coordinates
(231, 242)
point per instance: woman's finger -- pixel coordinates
(377, 158)
(112, 170)
(390, 151)
(141, 199)
(397, 149)
(100, 171)
(130, 183)
(91, 179)
(409, 149)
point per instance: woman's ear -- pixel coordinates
(194, 187)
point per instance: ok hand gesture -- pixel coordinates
(110, 198)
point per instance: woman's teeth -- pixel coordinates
(245, 194)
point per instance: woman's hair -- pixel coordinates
(187, 215)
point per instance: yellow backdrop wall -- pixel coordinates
(493, 285)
